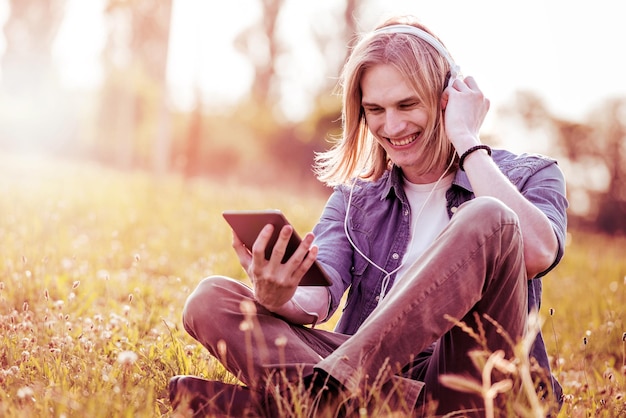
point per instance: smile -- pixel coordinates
(405, 140)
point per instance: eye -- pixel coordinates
(373, 109)
(409, 105)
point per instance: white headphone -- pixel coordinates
(455, 70)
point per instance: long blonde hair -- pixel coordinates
(356, 153)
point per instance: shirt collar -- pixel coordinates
(394, 181)
(461, 180)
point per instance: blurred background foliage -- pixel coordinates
(130, 123)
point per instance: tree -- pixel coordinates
(606, 147)
(29, 80)
(261, 44)
(134, 115)
(595, 153)
(29, 31)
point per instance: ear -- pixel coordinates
(444, 99)
(446, 81)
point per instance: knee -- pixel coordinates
(207, 298)
(485, 210)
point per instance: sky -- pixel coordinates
(569, 52)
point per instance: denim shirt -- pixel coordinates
(379, 224)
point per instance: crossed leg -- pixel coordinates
(474, 268)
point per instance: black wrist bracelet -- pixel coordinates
(469, 151)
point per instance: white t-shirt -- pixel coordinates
(429, 216)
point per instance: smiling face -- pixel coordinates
(397, 119)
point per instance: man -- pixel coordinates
(440, 241)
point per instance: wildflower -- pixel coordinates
(66, 263)
(127, 358)
(189, 349)
(247, 307)
(246, 325)
(25, 392)
(221, 348)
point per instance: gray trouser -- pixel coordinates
(474, 268)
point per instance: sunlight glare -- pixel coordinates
(201, 51)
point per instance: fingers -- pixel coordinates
(300, 261)
(307, 262)
(471, 83)
(280, 248)
(275, 281)
(261, 242)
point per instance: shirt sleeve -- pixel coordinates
(308, 302)
(546, 190)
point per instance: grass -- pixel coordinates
(96, 265)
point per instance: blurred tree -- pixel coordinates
(29, 80)
(336, 45)
(296, 146)
(291, 145)
(595, 152)
(29, 32)
(193, 138)
(134, 117)
(261, 44)
(605, 147)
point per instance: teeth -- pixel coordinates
(403, 141)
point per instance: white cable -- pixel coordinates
(387, 278)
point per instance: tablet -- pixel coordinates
(247, 224)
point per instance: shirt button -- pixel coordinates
(406, 212)
(395, 256)
(377, 298)
(453, 209)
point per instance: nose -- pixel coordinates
(395, 123)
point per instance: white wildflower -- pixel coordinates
(127, 358)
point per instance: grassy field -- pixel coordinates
(96, 265)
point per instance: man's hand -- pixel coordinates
(465, 110)
(274, 282)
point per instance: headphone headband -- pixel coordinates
(455, 70)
